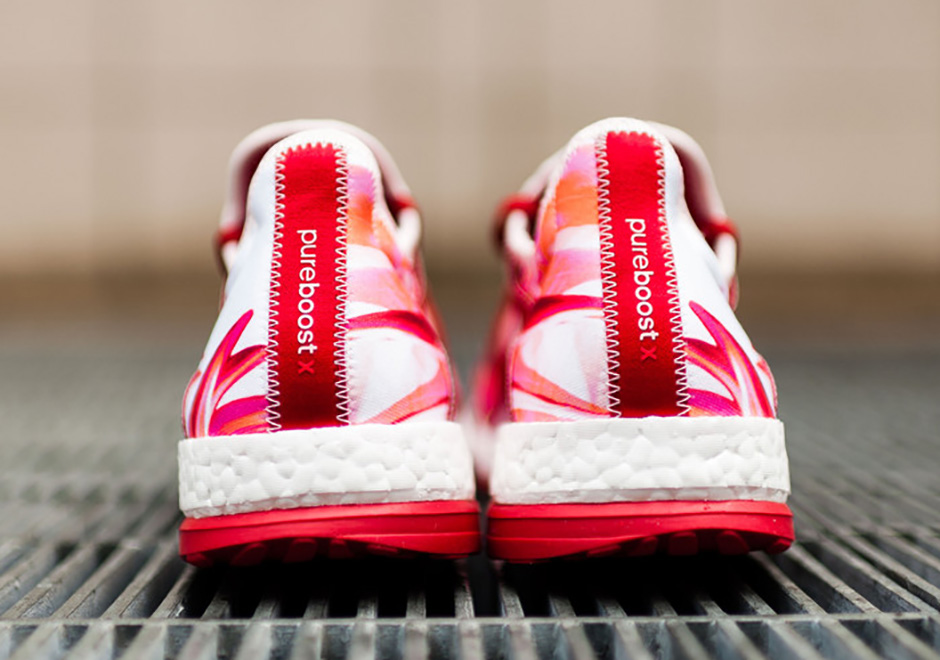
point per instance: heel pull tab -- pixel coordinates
(306, 326)
(641, 298)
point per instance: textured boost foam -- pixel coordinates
(648, 459)
(368, 463)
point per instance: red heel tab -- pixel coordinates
(646, 352)
(223, 237)
(714, 227)
(306, 321)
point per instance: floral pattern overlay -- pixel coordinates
(205, 417)
(727, 362)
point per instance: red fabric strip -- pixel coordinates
(310, 251)
(643, 290)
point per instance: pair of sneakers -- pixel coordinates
(620, 408)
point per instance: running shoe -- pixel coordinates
(629, 412)
(320, 418)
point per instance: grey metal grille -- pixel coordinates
(88, 565)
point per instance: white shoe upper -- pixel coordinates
(389, 363)
(563, 365)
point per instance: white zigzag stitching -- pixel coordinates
(342, 290)
(608, 275)
(274, 385)
(683, 395)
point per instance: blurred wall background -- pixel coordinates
(822, 120)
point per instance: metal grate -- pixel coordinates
(88, 565)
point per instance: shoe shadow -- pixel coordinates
(477, 587)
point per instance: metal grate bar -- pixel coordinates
(726, 639)
(679, 641)
(96, 644)
(202, 643)
(890, 639)
(629, 642)
(150, 586)
(48, 595)
(834, 640)
(821, 584)
(521, 638)
(874, 586)
(778, 640)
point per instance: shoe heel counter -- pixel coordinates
(352, 338)
(604, 337)
(675, 347)
(320, 288)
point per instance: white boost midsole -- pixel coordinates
(358, 464)
(646, 459)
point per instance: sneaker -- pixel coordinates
(631, 413)
(320, 419)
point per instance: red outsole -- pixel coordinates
(444, 529)
(537, 532)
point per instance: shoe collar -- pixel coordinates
(248, 154)
(515, 220)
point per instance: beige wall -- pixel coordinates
(116, 118)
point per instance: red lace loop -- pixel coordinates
(713, 229)
(398, 203)
(517, 202)
(222, 238)
(717, 226)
